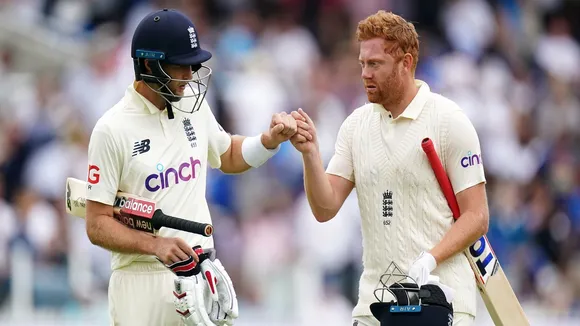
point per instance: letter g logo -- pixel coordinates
(94, 176)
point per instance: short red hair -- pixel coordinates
(391, 28)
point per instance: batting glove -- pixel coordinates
(224, 307)
(187, 267)
(422, 268)
(190, 300)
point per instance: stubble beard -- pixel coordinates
(390, 92)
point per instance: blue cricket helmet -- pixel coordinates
(168, 36)
(401, 301)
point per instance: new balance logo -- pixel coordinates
(140, 147)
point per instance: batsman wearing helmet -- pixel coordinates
(157, 142)
(405, 217)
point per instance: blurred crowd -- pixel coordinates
(512, 65)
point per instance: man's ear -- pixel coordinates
(147, 65)
(408, 62)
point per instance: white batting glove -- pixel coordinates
(190, 300)
(224, 306)
(422, 268)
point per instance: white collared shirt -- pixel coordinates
(403, 209)
(135, 148)
(394, 129)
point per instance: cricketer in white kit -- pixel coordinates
(134, 147)
(158, 142)
(405, 217)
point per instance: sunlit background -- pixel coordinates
(512, 65)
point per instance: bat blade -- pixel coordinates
(497, 294)
(75, 197)
(494, 287)
(133, 211)
(501, 301)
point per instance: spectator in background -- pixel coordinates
(7, 232)
(512, 65)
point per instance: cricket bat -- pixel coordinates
(135, 212)
(495, 289)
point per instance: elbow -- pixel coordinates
(484, 223)
(92, 235)
(92, 231)
(324, 216)
(230, 169)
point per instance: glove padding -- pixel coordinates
(224, 303)
(191, 299)
(204, 293)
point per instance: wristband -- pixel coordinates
(254, 152)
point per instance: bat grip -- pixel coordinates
(441, 175)
(160, 219)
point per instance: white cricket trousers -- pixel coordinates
(141, 294)
(459, 319)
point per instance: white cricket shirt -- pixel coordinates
(402, 207)
(135, 148)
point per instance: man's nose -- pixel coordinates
(186, 73)
(366, 73)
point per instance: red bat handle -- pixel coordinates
(441, 176)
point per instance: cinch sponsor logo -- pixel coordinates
(135, 206)
(171, 176)
(470, 160)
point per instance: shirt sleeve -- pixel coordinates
(463, 158)
(341, 163)
(105, 164)
(219, 141)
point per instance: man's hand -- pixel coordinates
(304, 140)
(282, 127)
(190, 266)
(422, 268)
(173, 250)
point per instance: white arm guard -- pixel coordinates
(224, 308)
(190, 300)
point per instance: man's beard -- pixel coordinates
(390, 92)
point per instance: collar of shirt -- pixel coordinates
(140, 99)
(415, 107)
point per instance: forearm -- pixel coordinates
(238, 159)
(106, 232)
(234, 162)
(319, 191)
(464, 232)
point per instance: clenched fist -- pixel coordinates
(282, 127)
(305, 139)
